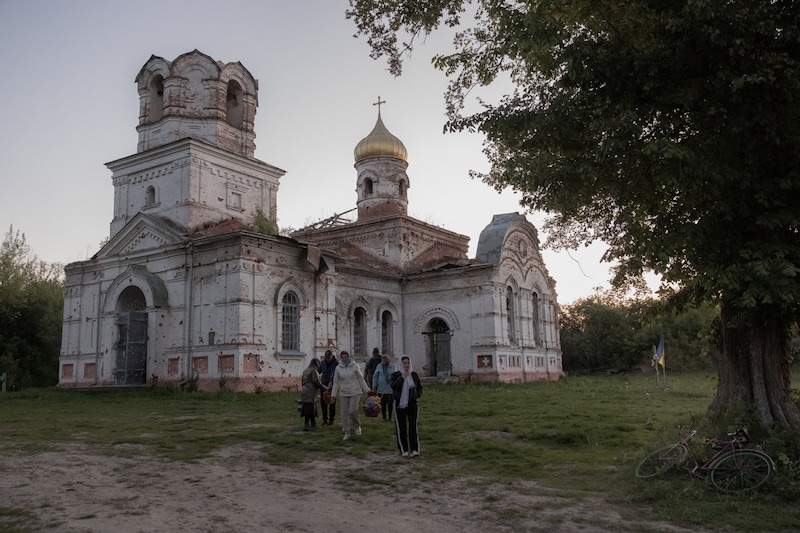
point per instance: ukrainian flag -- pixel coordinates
(660, 351)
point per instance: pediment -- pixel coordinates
(143, 233)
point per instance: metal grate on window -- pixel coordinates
(290, 322)
(359, 333)
(386, 333)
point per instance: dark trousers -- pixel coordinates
(386, 405)
(406, 425)
(328, 411)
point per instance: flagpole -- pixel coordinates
(661, 358)
(654, 364)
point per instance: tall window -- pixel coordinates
(234, 107)
(512, 337)
(156, 107)
(401, 188)
(386, 333)
(290, 322)
(537, 336)
(360, 332)
(367, 187)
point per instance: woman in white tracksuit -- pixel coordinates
(348, 384)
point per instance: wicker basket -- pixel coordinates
(372, 405)
(327, 398)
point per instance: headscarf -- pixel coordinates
(408, 383)
(315, 363)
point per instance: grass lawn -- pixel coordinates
(576, 436)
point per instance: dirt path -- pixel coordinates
(78, 491)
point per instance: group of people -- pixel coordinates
(344, 381)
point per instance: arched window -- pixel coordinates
(510, 315)
(401, 188)
(156, 108)
(367, 187)
(537, 336)
(150, 196)
(387, 342)
(235, 107)
(131, 299)
(360, 332)
(290, 322)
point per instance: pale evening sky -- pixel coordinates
(71, 106)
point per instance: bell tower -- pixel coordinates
(195, 96)
(381, 161)
(194, 165)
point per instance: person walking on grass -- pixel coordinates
(311, 386)
(407, 389)
(381, 384)
(348, 385)
(327, 368)
(372, 364)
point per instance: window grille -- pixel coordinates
(290, 323)
(359, 333)
(386, 333)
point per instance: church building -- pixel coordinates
(190, 286)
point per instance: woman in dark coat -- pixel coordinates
(309, 394)
(406, 389)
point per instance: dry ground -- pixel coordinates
(75, 490)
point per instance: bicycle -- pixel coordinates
(732, 468)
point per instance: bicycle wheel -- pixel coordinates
(741, 471)
(662, 460)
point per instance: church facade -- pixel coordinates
(188, 286)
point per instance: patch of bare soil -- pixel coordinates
(76, 490)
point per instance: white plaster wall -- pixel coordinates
(194, 183)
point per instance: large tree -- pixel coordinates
(31, 309)
(669, 129)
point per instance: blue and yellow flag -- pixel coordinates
(660, 351)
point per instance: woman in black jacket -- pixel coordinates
(407, 389)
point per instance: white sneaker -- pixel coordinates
(404, 454)
(346, 436)
(414, 453)
(358, 431)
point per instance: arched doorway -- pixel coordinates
(437, 347)
(131, 346)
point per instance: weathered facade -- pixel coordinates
(186, 287)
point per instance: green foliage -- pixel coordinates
(670, 131)
(191, 384)
(222, 384)
(597, 334)
(31, 309)
(600, 332)
(262, 223)
(657, 127)
(15, 520)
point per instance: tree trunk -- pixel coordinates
(754, 372)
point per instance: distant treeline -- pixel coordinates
(601, 333)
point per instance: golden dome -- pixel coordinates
(380, 143)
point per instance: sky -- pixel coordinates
(71, 106)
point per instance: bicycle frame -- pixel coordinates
(732, 468)
(722, 448)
